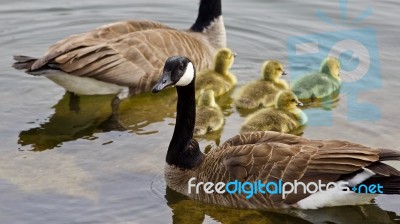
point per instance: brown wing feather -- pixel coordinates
(95, 37)
(127, 53)
(134, 59)
(270, 156)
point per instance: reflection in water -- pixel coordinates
(190, 211)
(69, 122)
(81, 117)
(327, 103)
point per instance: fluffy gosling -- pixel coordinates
(283, 117)
(319, 85)
(261, 93)
(209, 116)
(219, 78)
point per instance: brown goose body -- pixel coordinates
(273, 156)
(127, 56)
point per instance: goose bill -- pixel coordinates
(300, 104)
(163, 82)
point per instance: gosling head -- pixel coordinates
(331, 66)
(223, 60)
(272, 70)
(206, 98)
(178, 71)
(287, 100)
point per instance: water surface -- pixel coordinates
(73, 166)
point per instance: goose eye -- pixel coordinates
(180, 67)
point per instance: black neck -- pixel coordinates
(183, 150)
(209, 10)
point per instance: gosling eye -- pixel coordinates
(293, 100)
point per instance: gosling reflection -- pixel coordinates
(188, 211)
(80, 117)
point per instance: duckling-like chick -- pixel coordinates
(319, 85)
(283, 117)
(209, 116)
(262, 92)
(219, 78)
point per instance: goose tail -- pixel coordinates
(389, 185)
(23, 62)
(384, 175)
(389, 154)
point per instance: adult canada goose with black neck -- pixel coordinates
(265, 156)
(127, 57)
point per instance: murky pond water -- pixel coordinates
(74, 166)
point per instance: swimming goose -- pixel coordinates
(319, 85)
(219, 78)
(262, 92)
(209, 115)
(284, 117)
(265, 156)
(127, 57)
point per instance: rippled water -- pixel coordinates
(63, 166)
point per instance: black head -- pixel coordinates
(178, 71)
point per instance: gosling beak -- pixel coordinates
(234, 54)
(163, 82)
(300, 104)
(284, 73)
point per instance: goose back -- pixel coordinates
(129, 53)
(272, 156)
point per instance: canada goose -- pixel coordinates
(219, 78)
(209, 114)
(126, 58)
(319, 85)
(262, 92)
(265, 156)
(284, 117)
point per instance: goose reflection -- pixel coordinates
(188, 211)
(81, 117)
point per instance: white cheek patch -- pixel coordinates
(187, 77)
